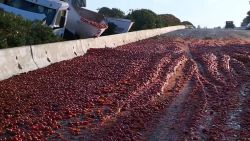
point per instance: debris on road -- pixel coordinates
(162, 88)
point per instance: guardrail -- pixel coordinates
(19, 60)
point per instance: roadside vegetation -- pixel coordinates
(145, 19)
(111, 12)
(246, 20)
(15, 31)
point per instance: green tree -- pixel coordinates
(145, 19)
(246, 20)
(15, 31)
(170, 20)
(113, 13)
(187, 23)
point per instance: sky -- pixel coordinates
(206, 13)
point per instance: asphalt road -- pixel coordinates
(210, 33)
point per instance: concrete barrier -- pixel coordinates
(113, 40)
(93, 43)
(14, 61)
(23, 59)
(47, 54)
(130, 37)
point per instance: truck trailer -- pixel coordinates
(84, 23)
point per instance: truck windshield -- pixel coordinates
(60, 19)
(28, 6)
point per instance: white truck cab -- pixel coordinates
(52, 12)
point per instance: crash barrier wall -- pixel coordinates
(18, 60)
(15, 61)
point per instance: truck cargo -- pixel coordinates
(84, 23)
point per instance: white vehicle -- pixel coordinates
(82, 22)
(122, 25)
(52, 12)
(248, 27)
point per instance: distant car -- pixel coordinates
(229, 25)
(248, 27)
